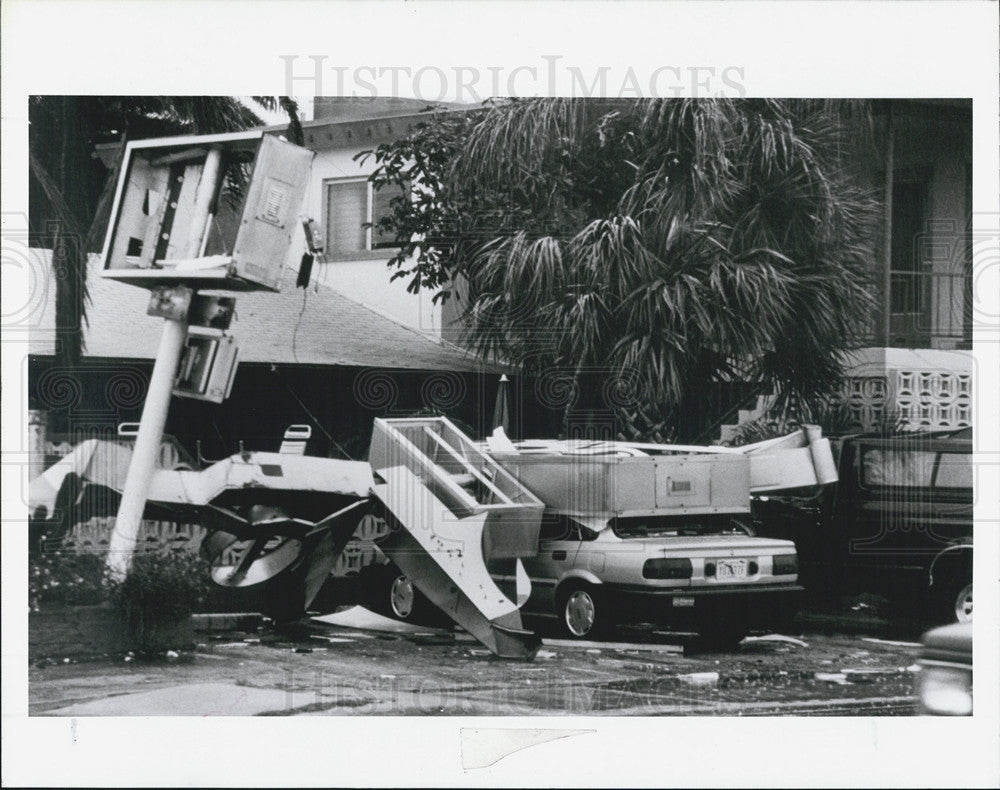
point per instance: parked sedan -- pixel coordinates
(704, 573)
(708, 574)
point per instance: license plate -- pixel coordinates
(683, 601)
(732, 569)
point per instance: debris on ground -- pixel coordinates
(700, 678)
(575, 644)
(892, 642)
(776, 638)
(360, 618)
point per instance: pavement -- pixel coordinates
(359, 663)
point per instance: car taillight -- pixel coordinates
(667, 568)
(784, 564)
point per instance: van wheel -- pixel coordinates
(955, 602)
(581, 612)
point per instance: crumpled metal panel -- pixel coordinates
(275, 471)
(95, 461)
(443, 558)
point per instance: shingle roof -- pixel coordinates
(319, 327)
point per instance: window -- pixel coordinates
(558, 527)
(381, 207)
(909, 290)
(917, 469)
(954, 471)
(349, 205)
(907, 468)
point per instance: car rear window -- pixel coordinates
(661, 526)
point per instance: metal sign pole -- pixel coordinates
(147, 448)
(154, 412)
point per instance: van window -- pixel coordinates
(906, 468)
(954, 471)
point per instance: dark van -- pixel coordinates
(898, 523)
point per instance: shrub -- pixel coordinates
(57, 578)
(162, 588)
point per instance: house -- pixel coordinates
(916, 368)
(349, 347)
(311, 356)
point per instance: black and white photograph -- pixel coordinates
(531, 416)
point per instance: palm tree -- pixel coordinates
(70, 192)
(667, 243)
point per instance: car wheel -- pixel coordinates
(402, 597)
(580, 612)
(388, 591)
(956, 602)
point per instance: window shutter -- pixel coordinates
(346, 215)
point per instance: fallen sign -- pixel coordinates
(461, 515)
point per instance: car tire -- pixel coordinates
(403, 601)
(581, 611)
(388, 591)
(954, 601)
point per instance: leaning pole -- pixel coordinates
(121, 547)
(169, 190)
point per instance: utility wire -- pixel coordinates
(274, 369)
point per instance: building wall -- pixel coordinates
(940, 141)
(366, 280)
(922, 379)
(932, 142)
(918, 389)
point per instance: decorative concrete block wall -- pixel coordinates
(928, 390)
